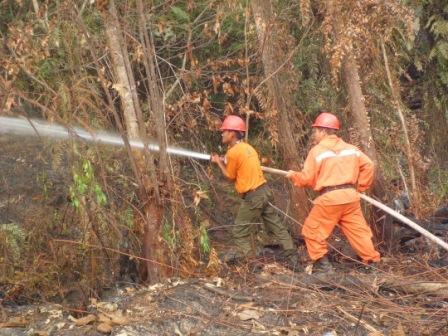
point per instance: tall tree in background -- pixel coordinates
(342, 56)
(150, 217)
(355, 32)
(277, 70)
(171, 196)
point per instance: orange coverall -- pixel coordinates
(330, 163)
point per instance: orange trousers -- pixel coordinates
(320, 224)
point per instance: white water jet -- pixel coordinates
(34, 127)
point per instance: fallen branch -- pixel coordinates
(424, 287)
(361, 322)
(224, 292)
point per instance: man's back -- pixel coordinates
(333, 162)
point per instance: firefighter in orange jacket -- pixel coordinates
(242, 165)
(337, 171)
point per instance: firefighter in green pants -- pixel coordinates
(242, 165)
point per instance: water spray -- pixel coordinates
(33, 127)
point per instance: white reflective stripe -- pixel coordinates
(349, 152)
(325, 155)
(342, 153)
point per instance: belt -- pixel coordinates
(243, 195)
(324, 190)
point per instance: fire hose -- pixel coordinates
(32, 127)
(385, 208)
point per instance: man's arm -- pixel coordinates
(215, 158)
(307, 177)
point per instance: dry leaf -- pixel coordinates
(129, 290)
(83, 321)
(103, 318)
(246, 305)
(115, 318)
(104, 328)
(248, 314)
(214, 265)
(219, 282)
(228, 89)
(177, 331)
(196, 99)
(118, 318)
(309, 269)
(107, 306)
(198, 196)
(40, 333)
(60, 325)
(14, 322)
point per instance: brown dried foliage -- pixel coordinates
(361, 23)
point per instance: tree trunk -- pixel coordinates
(361, 123)
(359, 114)
(153, 268)
(361, 119)
(352, 82)
(357, 107)
(273, 57)
(155, 94)
(185, 255)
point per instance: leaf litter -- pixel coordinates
(272, 301)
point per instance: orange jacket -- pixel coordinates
(334, 162)
(243, 166)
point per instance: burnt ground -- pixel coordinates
(269, 300)
(26, 170)
(404, 295)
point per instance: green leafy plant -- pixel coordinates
(169, 235)
(12, 238)
(84, 184)
(204, 239)
(46, 184)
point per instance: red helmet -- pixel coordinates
(233, 123)
(327, 120)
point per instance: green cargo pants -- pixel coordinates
(255, 207)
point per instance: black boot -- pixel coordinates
(291, 260)
(367, 268)
(232, 257)
(323, 266)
